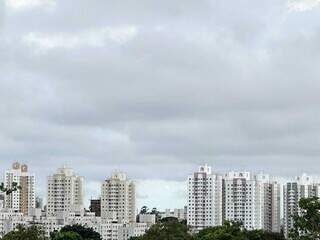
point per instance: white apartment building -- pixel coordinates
(204, 199)
(268, 203)
(9, 220)
(23, 199)
(147, 218)
(65, 192)
(127, 231)
(239, 198)
(179, 213)
(118, 198)
(304, 186)
(253, 200)
(108, 229)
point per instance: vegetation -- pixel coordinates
(8, 191)
(307, 224)
(306, 227)
(66, 236)
(76, 232)
(25, 233)
(235, 231)
(172, 229)
(73, 232)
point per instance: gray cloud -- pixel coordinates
(157, 88)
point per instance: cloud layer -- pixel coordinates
(156, 88)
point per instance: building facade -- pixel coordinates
(253, 200)
(204, 199)
(239, 198)
(118, 198)
(304, 186)
(24, 198)
(267, 203)
(65, 192)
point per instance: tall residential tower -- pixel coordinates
(118, 198)
(65, 192)
(253, 200)
(24, 199)
(204, 199)
(303, 187)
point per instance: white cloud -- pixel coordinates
(161, 193)
(88, 38)
(28, 4)
(302, 5)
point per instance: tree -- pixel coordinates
(307, 225)
(235, 231)
(227, 231)
(156, 213)
(273, 236)
(84, 232)
(25, 233)
(8, 191)
(144, 210)
(65, 236)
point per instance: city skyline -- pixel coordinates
(141, 201)
(157, 88)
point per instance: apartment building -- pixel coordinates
(65, 192)
(23, 199)
(118, 198)
(239, 198)
(204, 199)
(253, 200)
(303, 186)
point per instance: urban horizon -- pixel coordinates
(211, 104)
(281, 180)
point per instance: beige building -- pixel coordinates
(118, 198)
(65, 192)
(24, 199)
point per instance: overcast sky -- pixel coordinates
(155, 88)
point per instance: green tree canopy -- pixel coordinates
(25, 233)
(144, 210)
(307, 224)
(8, 191)
(228, 231)
(84, 232)
(66, 236)
(235, 231)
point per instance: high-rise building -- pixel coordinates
(267, 203)
(118, 198)
(65, 192)
(252, 200)
(95, 207)
(204, 199)
(24, 198)
(239, 198)
(303, 187)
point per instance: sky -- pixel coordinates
(156, 88)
